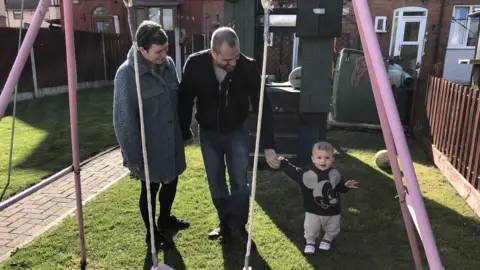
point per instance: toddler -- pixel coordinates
(321, 185)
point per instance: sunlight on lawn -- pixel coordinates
(42, 143)
(25, 137)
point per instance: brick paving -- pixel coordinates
(26, 219)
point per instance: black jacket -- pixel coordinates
(320, 189)
(222, 107)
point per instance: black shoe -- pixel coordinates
(221, 230)
(173, 223)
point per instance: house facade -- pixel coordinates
(13, 12)
(430, 35)
(191, 16)
(461, 41)
(107, 16)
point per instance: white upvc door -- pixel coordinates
(410, 37)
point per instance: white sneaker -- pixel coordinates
(324, 246)
(309, 249)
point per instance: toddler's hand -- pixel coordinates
(280, 158)
(351, 184)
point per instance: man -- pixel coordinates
(165, 150)
(225, 82)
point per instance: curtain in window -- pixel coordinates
(460, 23)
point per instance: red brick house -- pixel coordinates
(192, 16)
(108, 16)
(435, 33)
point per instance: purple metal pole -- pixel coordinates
(22, 56)
(72, 94)
(392, 156)
(34, 188)
(378, 74)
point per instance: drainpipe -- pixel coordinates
(439, 33)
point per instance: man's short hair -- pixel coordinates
(223, 35)
(324, 146)
(149, 33)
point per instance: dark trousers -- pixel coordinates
(230, 151)
(165, 198)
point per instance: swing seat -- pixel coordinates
(162, 267)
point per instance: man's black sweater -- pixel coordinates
(222, 107)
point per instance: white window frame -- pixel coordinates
(17, 15)
(384, 24)
(463, 46)
(401, 19)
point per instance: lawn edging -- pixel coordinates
(47, 181)
(456, 179)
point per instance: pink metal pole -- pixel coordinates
(392, 156)
(22, 56)
(72, 94)
(378, 74)
(34, 188)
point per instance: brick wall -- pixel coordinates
(437, 29)
(83, 11)
(193, 13)
(191, 17)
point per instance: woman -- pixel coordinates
(164, 143)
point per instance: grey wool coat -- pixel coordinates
(164, 143)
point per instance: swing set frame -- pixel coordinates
(411, 201)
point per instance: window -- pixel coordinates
(17, 15)
(102, 22)
(165, 16)
(100, 11)
(380, 24)
(463, 30)
(162, 16)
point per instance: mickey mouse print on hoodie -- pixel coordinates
(320, 189)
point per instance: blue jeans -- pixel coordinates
(232, 147)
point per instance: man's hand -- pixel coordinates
(351, 184)
(272, 159)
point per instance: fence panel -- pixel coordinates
(447, 116)
(50, 59)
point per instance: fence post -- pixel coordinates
(178, 58)
(104, 57)
(34, 69)
(34, 74)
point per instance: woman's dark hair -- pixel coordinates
(149, 33)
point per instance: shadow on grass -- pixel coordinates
(51, 115)
(234, 257)
(171, 257)
(373, 234)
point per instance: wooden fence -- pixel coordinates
(446, 119)
(97, 57)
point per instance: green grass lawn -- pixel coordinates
(372, 237)
(42, 136)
